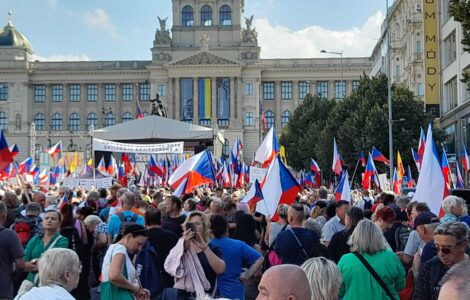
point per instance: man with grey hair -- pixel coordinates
(453, 208)
(125, 216)
(454, 286)
(284, 282)
(11, 251)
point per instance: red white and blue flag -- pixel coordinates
(369, 173)
(410, 177)
(5, 155)
(421, 147)
(343, 191)
(155, 168)
(464, 158)
(122, 176)
(63, 201)
(396, 182)
(112, 168)
(460, 184)
(362, 158)
(278, 187)
(378, 156)
(25, 165)
(431, 187)
(139, 114)
(337, 161)
(308, 180)
(56, 149)
(198, 170)
(254, 195)
(14, 150)
(445, 168)
(181, 188)
(416, 158)
(102, 166)
(268, 149)
(314, 166)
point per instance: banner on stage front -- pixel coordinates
(88, 183)
(110, 146)
(257, 173)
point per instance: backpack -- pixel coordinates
(402, 233)
(75, 242)
(367, 204)
(126, 220)
(150, 269)
(27, 230)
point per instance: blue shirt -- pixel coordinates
(289, 250)
(236, 255)
(115, 222)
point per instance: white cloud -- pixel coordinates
(62, 57)
(99, 20)
(280, 42)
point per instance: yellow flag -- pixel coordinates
(283, 154)
(74, 163)
(400, 168)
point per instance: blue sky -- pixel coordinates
(124, 29)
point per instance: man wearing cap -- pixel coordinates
(336, 223)
(425, 224)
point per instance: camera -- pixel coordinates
(191, 226)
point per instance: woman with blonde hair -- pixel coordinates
(324, 278)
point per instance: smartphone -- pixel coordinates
(190, 226)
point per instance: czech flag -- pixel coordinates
(396, 182)
(378, 156)
(410, 177)
(279, 187)
(421, 147)
(308, 180)
(445, 168)
(337, 161)
(14, 150)
(63, 201)
(314, 166)
(139, 114)
(416, 159)
(102, 166)
(198, 170)
(369, 172)
(226, 179)
(25, 165)
(56, 149)
(181, 188)
(122, 177)
(268, 149)
(254, 195)
(112, 168)
(5, 155)
(236, 151)
(464, 158)
(431, 187)
(362, 158)
(343, 191)
(154, 167)
(460, 184)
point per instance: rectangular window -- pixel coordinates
(419, 89)
(74, 93)
(304, 89)
(144, 92)
(110, 92)
(57, 93)
(355, 85)
(3, 91)
(286, 90)
(340, 89)
(92, 92)
(450, 49)
(39, 93)
(127, 92)
(161, 90)
(268, 90)
(248, 119)
(445, 14)
(322, 89)
(450, 94)
(248, 89)
(397, 71)
(419, 47)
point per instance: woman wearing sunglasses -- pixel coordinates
(451, 244)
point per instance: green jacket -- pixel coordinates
(358, 283)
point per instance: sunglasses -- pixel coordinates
(445, 250)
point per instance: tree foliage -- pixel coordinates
(358, 123)
(460, 10)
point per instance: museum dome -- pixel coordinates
(10, 37)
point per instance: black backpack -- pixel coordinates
(126, 220)
(75, 242)
(150, 269)
(367, 204)
(402, 233)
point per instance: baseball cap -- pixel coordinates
(425, 218)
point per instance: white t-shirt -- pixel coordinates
(113, 250)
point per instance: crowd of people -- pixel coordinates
(147, 243)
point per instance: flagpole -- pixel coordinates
(354, 174)
(92, 127)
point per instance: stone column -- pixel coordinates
(83, 106)
(196, 101)
(232, 99)
(277, 110)
(177, 112)
(214, 100)
(119, 103)
(169, 99)
(295, 93)
(331, 89)
(313, 88)
(239, 99)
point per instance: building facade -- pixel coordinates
(207, 70)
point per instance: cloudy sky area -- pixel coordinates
(124, 30)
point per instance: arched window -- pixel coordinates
(226, 148)
(109, 119)
(56, 124)
(285, 118)
(225, 16)
(187, 16)
(39, 121)
(92, 119)
(3, 120)
(206, 16)
(126, 117)
(269, 119)
(74, 122)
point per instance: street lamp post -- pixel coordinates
(340, 53)
(389, 96)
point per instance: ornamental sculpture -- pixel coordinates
(162, 35)
(249, 34)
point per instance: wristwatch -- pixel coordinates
(34, 261)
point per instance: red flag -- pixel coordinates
(5, 155)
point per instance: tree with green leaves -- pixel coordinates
(460, 10)
(358, 123)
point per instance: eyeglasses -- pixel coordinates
(445, 250)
